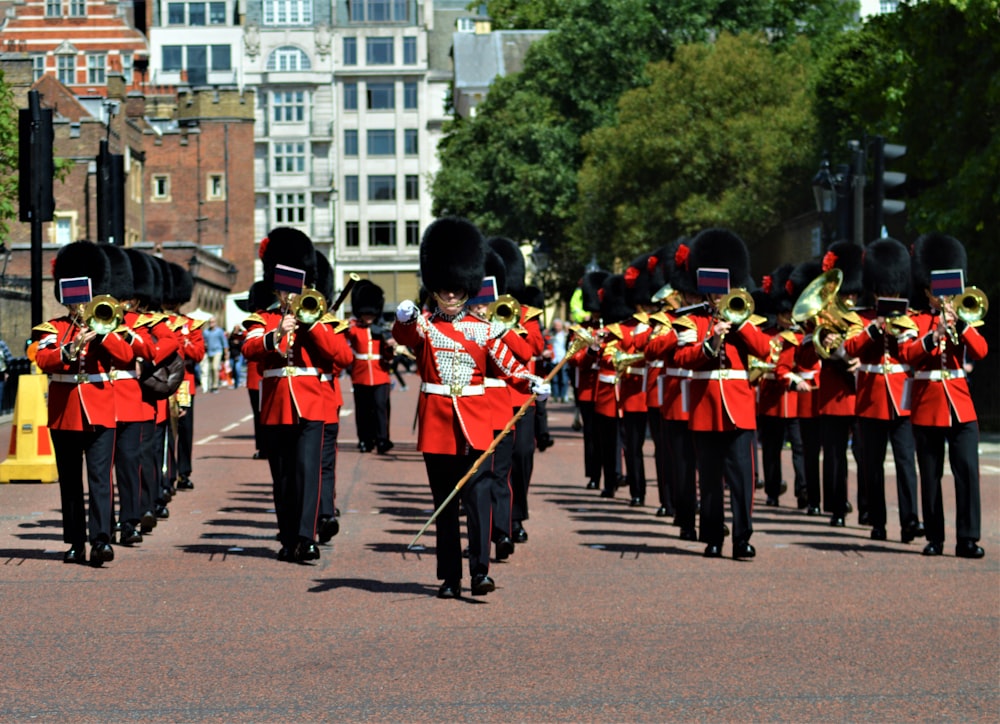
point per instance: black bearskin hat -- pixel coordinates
(612, 296)
(496, 268)
(324, 277)
(513, 261)
(936, 252)
(846, 256)
(453, 256)
(800, 278)
(166, 281)
(367, 297)
(590, 286)
(121, 285)
(887, 268)
(181, 285)
(260, 296)
(533, 297)
(82, 259)
(156, 265)
(643, 278)
(777, 290)
(143, 276)
(718, 249)
(290, 247)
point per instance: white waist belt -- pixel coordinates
(884, 369)
(938, 375)
(452, 390)
(655, 364)
(366, 356)
(678, 372)
(607, 379)
(80, 379)
(292, 372)
(493, 382)
(326, 377)
(719, 375)
(640, 371)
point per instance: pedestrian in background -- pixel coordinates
(5, 359)
(560, 383)
(216, 347)
(236, 338)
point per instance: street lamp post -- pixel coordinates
(830, 192)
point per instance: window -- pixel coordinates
(350, 188)
(381, 233)
(350, 142)
(381, 96)
(409, 50)
(196, 14)
(350, 51)
(53, 8)
(410, 141)
(412, 183)
(173, 57)
(350, 96)
(465, 25)
(37, 66)
(413, 233)
(289, 157)
(289, 106)
(352, 234)
(161, 188)
(289, 208)
(381, 143)
(78, 8)
(288, 12)
(888, 6)
(221, 57)
(378, 11)
(127, 66)
(216, 13)
(64, 228)
(288, 58)
(66, 69)
(381, 188)
(216, 190)
(96, 68)
(175, 14)
(410, 95)
(378, 51)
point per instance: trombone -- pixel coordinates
(506, 310)
(309, 306)
(970, 306)
(735, 307)
(102, 314)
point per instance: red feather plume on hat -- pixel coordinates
(52, 266)
(681, 255)
(263, 247)
(600, 295)
(829, 261)
(790, 287)
(631, 275)
(767, 284)
(651, 263)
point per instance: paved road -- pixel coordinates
(603, 615)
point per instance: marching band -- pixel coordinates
(862, 349)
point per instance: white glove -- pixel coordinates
(541, 390)
(688, 336)
(407, 311)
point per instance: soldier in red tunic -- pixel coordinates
(79, 360)
(942, 406)
(369, 375)
(454, 349)
(584, 377)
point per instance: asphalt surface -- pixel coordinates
(604, 615)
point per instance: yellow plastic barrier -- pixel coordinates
(30, 457)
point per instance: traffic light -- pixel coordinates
(35, 166)
(110, 196)
(886, 180)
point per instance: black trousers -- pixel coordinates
(258, 430)
(541, 420)
(162, 440)
(295, 458)
(661, 458)
(522, 464)
(443, 473)
(725, 457)
(128, 460)
(328, 468)
(185, 442)
(371, 413)
(963, 456)
(875, 437)
(496, 476)
(591, 453)
(606, 440)
(680, 449)
(634, 436)
(812, 442)
(836, 432)
(772, 433)
(151, 459)
(95, 447)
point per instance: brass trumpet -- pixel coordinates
(102, 314)
(736, 307)
(971, 305)
(309, 306)
(506, 310)
(624, 360)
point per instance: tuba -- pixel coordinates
(506, 310)
(736, 307)
(309, 306)
(103, 314)
(820, 303)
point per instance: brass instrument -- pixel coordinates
(581, 338)
(758, 368)
(971, 305)
(736, 307)
(506, 310)
(668, 296)
(102, 314)
(624, 360)
(309, 306)
(352, 279)
(820, 303)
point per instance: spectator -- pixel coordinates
(236, 338)
(557, 338)
(216, 349)
(5, 359)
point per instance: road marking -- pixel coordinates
(247, 418)
(232, 426)
(205, 440)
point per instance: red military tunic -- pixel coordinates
(775, 397)
(499, 385)
(192, 349)
(584, 371)
(452, 354)
(367, 368)
(836, 385)
(672, 382)
(606, 395)
(292, 388)
(882, 379)
(721, 398)
(80, 391)
(533, 335)
(153, 340)
(940, 387)
(632, 382)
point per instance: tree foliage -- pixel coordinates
(8, 157)
(723, 136)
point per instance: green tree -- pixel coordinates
(722, 136)
(8, 157)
